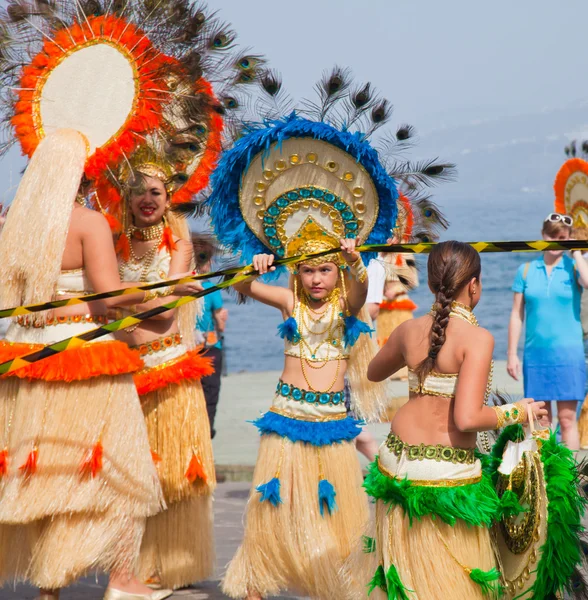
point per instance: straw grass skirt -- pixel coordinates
(427, 542)
(178, 546)
(298, 529)
(77, 475)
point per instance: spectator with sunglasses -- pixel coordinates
(549, 291)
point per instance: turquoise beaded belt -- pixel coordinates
(287, 390)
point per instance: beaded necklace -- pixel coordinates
(146, 234)
(465, 313)
(306, 326)
(142, 263)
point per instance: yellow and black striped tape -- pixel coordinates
(416, 248)
(240, 274)
(79, 340)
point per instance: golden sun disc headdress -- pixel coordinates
(125, 74)
(571, 191)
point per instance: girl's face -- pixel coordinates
(320, 280)
(563, 234)
(148, 208)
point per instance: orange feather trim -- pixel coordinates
(3, 462)
(92, 462)
(195, 470)
(30, 465)
(113, 222)
(192, 365)
(148, 63)
(571, 166)
(87, 361)
(167, 240)
(406, 304)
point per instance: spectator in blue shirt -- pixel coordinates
(549, 290)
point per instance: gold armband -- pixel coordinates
(358, 270)
(509, 414)
(149, 295)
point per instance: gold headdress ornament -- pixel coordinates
(571, 191)
(304, 195)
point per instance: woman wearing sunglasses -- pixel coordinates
(549, 290)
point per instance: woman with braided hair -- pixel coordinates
(434, 505)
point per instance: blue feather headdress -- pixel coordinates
(314, 174)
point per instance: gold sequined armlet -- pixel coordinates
(358, 270)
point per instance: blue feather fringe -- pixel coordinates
(326, 497)
(289, 330)
(317, 434)
(270, 491)
(354, 327)
(227, 221)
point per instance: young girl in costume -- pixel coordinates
(295, 186)
(314, 485)
(178, 546)
(434, 504)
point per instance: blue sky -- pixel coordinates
(434, 60)
(439, 63)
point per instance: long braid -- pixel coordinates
(451, 266)
(443, 299)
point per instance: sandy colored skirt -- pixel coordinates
(77, 479)
(298, 534)
(178, 546)
(430, 531)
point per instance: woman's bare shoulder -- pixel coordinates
(477, 335)
(87, 216)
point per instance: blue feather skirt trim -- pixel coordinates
(317, 434)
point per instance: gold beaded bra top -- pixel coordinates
(320, 333)
(151, 267)
(443, 384)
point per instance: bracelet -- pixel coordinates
(358, 270)
(149, 295)
(248, 272)
(509, 414)
(166, 291)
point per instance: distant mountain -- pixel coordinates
(505, 155)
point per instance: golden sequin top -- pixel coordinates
(320, 336)
(435, 384)
(157, 271)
